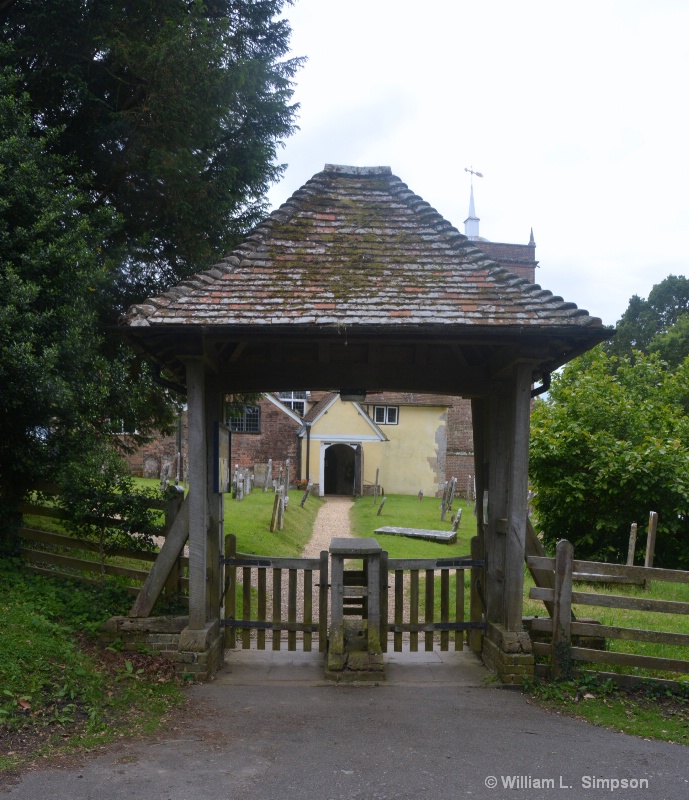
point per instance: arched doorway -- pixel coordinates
(338, 469)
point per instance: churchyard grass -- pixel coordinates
(249, 520)
(407, 511)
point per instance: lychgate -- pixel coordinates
(357, 283)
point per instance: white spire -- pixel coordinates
(472, 221)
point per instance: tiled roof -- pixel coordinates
(355, 248)
(314, 411)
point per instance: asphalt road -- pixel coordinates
(269, 728)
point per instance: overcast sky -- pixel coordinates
(577, 114)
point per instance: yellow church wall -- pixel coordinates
(344, 418)
(409, 460)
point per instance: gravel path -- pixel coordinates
(332, 520)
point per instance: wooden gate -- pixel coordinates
(270, 600)
(431, 597)
(250, 580)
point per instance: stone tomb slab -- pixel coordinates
(445, 537)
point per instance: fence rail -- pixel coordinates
(563, 628)
(63, 556)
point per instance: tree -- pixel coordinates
(645, 323)
(608, 445)
(174, 109)
(51, 265)
(60, 396)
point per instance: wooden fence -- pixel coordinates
(63, 556)
(566, 632)
(292, 610)
(269, 599)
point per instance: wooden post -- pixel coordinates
(476, 595)
(632, 545)
(230, 593)
(380, 507)
(499, 435)
(336, 605)
(384, 576)
(198, 499)
(375, 487)
(518, 499)
(478, 421)
(323, 602)
(373, 605)
(651, 542)
(562, 608)
(215, 505)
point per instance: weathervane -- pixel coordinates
(473, 172)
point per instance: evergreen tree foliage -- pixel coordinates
(174, 109)
(137, 141)
(51, 266)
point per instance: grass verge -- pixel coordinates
(59, 689)
(649, 712)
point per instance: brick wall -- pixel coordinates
(277, 440)
(459, 455)
(517, 258)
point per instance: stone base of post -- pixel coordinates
(201, 651)
(508, 654)
(350, 659)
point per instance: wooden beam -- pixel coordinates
(237, 352)
(210, 356)
(198, 501)
(458, 353)
(252, 377)
(502, 360)
(214, 502)
(175, 540)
